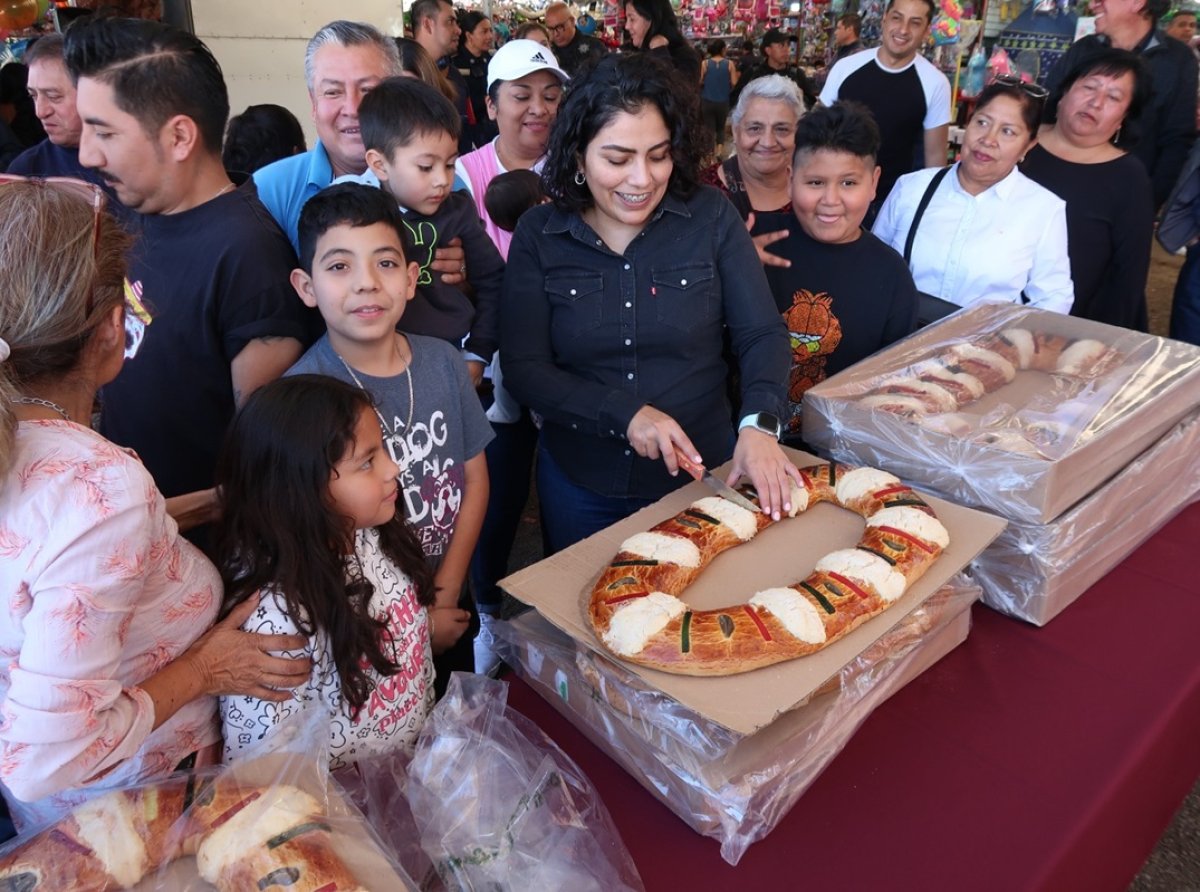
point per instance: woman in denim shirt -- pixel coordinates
(616, 300)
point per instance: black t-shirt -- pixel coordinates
(213, 278)
(904, 103)
(1110, 225)
(49, 160)
(841, 303)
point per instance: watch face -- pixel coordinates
(768, 423)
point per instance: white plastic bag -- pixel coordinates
(500, 806)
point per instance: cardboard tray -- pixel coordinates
(1033, 448)
(559, 587)
(1035, 571)
(729, 787)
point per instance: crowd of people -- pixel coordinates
(270, 413)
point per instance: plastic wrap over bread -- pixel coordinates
(730, 787)
(1035, 571)
(1008, 408)
(272, 821)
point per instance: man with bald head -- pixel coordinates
(574, 49)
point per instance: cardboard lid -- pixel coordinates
(560, 587)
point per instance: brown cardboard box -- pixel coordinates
(1034, 571)
(559, 587)
(1031, 449)
(730, 787)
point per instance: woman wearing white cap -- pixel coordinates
(525, 86)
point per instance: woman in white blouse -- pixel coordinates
(987, 232)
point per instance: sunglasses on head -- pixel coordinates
(1034, 91)
(94, 195)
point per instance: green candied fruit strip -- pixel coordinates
(878, 554)
(700, 515)
(685, 636)
(638, 563)
(821, 599)
(276, 841)
(900, 503)
(624, 580)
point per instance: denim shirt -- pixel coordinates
(589, 336)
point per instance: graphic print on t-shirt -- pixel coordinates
(432, 483)
(814, 333)
(424, 238)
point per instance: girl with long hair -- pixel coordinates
(310, 525)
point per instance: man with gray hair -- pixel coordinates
(343, 61)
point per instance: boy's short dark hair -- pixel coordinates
(842, 127)
(851, 20)
(155, 72)
(259, 135)
(511, 194)
(399, 109)
(346, 204)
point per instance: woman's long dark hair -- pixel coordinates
(663, 22)
(280, 530)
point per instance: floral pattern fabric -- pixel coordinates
(99, 592)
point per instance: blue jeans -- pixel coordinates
(571, 512)
(1185, 307)
(510, 467)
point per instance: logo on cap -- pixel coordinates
(538, 57)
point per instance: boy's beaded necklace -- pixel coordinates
(411, 400)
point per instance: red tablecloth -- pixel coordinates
(1029, 758)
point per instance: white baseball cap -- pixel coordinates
(518, 58)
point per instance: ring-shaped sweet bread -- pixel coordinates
(635, 606)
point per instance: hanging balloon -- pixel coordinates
(17, 14)
(43, 8)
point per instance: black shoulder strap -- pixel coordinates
(925, 199)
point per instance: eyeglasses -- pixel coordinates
(557, 29)
(89, 192)
(1032, 90)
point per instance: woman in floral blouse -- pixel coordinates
(109, 663)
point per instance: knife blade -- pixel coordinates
(705, 476)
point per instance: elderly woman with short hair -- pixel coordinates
(757, 177)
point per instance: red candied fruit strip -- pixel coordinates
(907, 536)
(233, 811)
(892, 490)
(850, 585)
(762, 629)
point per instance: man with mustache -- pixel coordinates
(209, 299)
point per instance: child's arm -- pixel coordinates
(449, 579)
(485, 271)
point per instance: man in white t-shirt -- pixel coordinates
(906, 93)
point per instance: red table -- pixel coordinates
(1028, 758)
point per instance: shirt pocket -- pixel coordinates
(684, 296)
(576, 303)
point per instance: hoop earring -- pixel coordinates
(580, 178)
